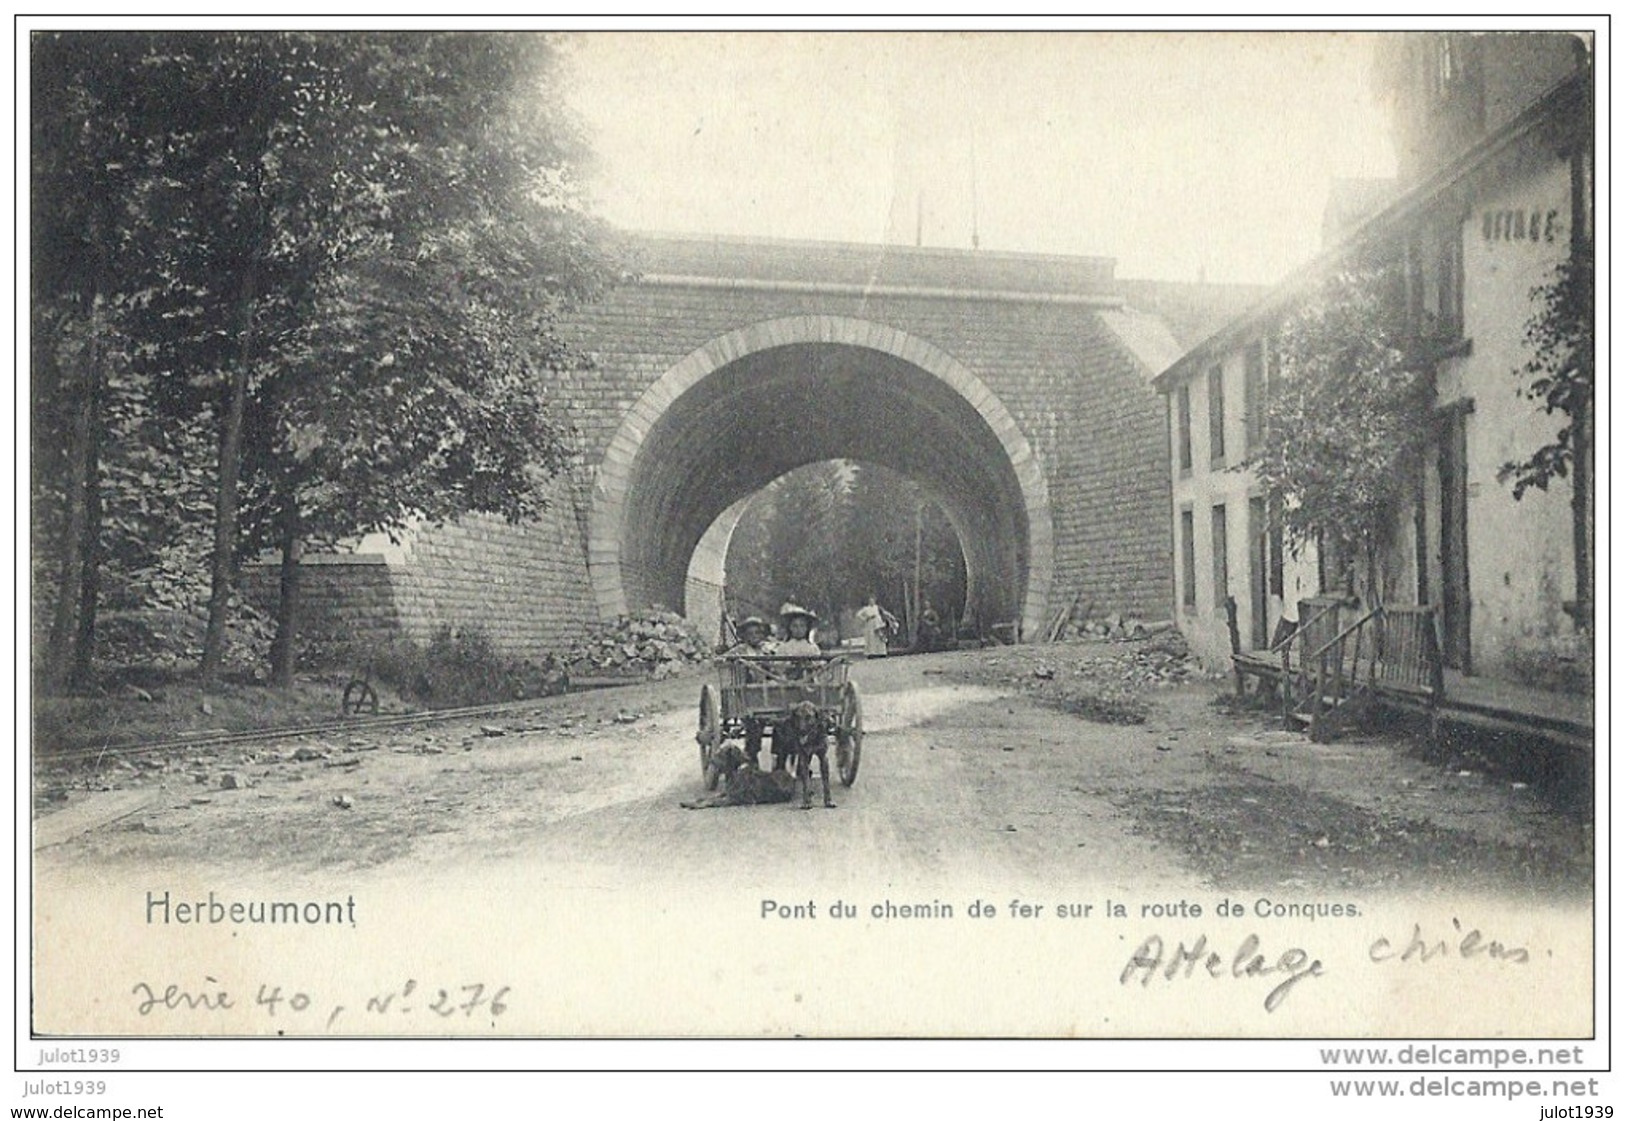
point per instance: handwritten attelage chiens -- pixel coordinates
(1151, 960)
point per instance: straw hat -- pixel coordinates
(789, 610)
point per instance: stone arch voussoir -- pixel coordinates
(606, 523)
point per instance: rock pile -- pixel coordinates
(654, 644)
(1165, 659)
(1106, 683)
(1114, 628)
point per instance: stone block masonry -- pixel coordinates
(525, 586)
(348, 601)
(1075, 391)
(1030, 334)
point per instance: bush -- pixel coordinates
(1563, 664)
(457, 669)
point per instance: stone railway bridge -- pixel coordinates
(1013, 387)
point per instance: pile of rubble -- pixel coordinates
(654, 644)
(1107, 684)
(1163, 660)
(1114, 628)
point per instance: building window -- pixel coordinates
(1447, 67)
(1580, 187)
(1185, 456)
(1253, 389)
(1215, 414)
(1457, 80)
(1416, 295)
(1187, 557)
(1221, 551)
(1419, 535)
(1434, 281)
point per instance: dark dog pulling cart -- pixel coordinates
(754, 695)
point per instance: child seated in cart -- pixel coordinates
(753, 640)
(753, 643)
(798, 624)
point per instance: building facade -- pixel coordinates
(1494, 195)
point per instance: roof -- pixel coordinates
(1144, 335)
(1352, 201)
(1192, 311)
(1558, 105)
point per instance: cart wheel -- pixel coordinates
(359, 697)
(709, 735)
(849, 735)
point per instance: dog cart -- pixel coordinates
(755, 694)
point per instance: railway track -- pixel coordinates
(347, 724)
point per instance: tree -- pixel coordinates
(415, 390)
(192, 130)
(749, 563)
(1346, 423)
(899, 538)
(347, 253)
(832, 534)
(94, 154)
(1562, 377)
(805, 549)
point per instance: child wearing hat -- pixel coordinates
(798, 624)
(753, 641)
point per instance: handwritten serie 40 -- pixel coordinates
(277, 1002)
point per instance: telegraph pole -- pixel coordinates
(919, 533)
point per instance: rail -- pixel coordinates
(1408, 657)
(1317, 617)
(1336, 674)
(758, 684)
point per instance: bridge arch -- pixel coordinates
(756, 402)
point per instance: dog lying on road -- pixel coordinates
(806, 737)
(742, 784)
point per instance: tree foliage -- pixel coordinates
(806, 537)
(832, 534)
(91, 154)
(749, 562)
(1561, 370)
(1347, 422)
(342, 255)
(895, 522)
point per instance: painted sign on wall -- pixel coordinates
(1522, 225)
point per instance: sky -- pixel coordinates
(1183, 155)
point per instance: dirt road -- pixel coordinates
(957, 780)
(992, 872)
